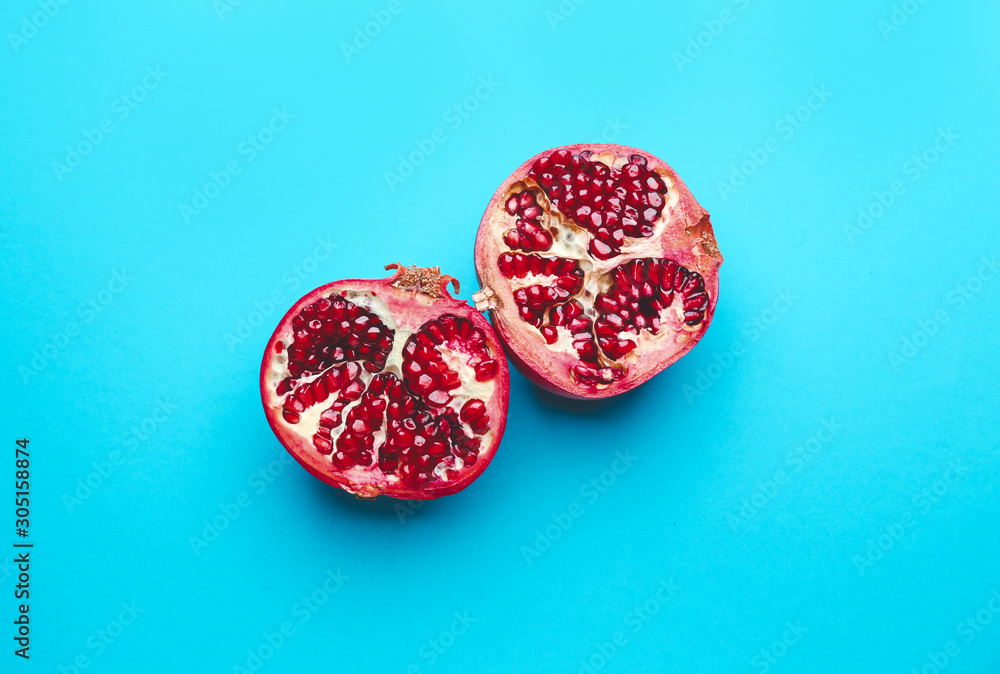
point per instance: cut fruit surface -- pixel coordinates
(598, 267)
(387, 386)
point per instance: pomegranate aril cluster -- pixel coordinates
(415, 440)
(418, 432)
(611, 204)
(641, 289)
(553, 301)
(334, 330)
(424, 369)
(343, 379)
(355, 445)
(529, 234)
(570, 316)
(533, 300)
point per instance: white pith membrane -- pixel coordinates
(309, 419)
(571, 241)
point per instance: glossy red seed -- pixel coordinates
(438, 397)
(342, 459)
(605, 304)
(486, 370)
(473, 409)
(601, 250)
(680, 278)
(585, 349)
(604, 329)
(319, 391)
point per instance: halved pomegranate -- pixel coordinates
(598, 267)
(389, 386)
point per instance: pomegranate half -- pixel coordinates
(387, 386)
(598, 267)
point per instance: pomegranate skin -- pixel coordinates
(687, 238)
(411, 310)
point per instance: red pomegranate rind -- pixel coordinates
(387, 386)
(599, 268)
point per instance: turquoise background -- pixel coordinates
(812, 489)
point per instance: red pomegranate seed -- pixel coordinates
(473, 409)
(486, 370)
(579, 194)
(601, 250)
(527, 233)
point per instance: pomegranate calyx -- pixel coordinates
(427, 280)
(366, 492)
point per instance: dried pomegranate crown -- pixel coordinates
(427, 280)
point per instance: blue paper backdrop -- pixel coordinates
(812, 489)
